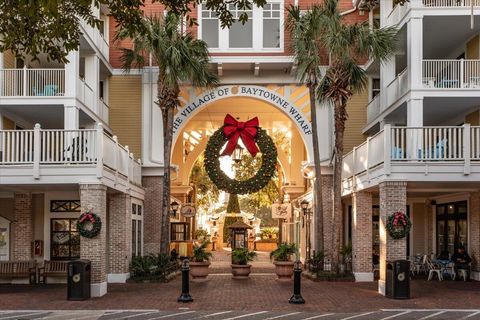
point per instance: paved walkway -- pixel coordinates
(186, 314)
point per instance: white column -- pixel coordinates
(415, 52)
(70, 118)
(414, 119)
(72, 73)
(92, 78)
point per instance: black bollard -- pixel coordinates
(297, 275)
(185, 296)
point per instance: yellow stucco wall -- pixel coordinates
(357, 119)
(125, 101)
(473, 48)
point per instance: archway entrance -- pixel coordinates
(191, 182)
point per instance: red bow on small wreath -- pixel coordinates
(87, 215)
(247, 131)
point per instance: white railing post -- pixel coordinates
(36, 151)
(387, 129)
(466, 148)
(462, 72)
(24, 80)
(99, 150)
(368, 157)
(115, 158)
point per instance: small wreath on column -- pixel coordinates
(89, 224)
(398, 225)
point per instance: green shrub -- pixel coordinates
(242, 256)
(200, 254)
(284, 252)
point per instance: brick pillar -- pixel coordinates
(328, 228)
(120, 237)
(152, 214)
(474, 243)
(393, 197)
(22, 227)
(362, 236)
(94, 197)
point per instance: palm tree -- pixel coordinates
(347, 45)
(306, 35)
(180, 58)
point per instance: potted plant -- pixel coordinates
(200, 262)
(346, 253)
(282, 260)
(240, 259)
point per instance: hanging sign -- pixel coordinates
(188, 210)
(281, 210)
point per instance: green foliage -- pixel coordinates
(200, 254)
(242, 256)
(151, 266)
(318, 257)
(142, 266)
(53, 27)
(253, 184)
(284, 252)
(233, 204)
(202, 235)
(206, 193)
(269, 233)
(346, 250)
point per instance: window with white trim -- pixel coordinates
(137, 229)
(210, 28)
(240, 33)
(271, 25)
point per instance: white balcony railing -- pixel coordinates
(103, 110)
(85, 93)
(32, 82)
(397, 88)
(98, 39)
(373, 108)
(450, 3)
(415, 145)
(68, 148)
(451, 74)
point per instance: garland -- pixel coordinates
(89, 218)
(255, 183)
(398, 225)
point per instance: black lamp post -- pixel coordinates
(306, 216)
(174, 206)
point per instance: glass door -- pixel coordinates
(451, 226)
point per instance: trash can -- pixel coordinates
(397, 284)
(78, 279)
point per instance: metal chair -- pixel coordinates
(434, 269)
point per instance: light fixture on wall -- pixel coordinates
(174, 207)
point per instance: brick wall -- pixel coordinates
(120, 232)
(94, 197)
(152, 214)
(474, 219)
(362, 231)
(22, 227)
(393, 197)
(328, 228)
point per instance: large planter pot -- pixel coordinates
(284, 270)
(240, 271)
(199, 270)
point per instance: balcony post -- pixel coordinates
(462, 73)
(466, 148)
(24, 80)
(415, 48)
(99, 150)
(387, 147)
(368, 157)
(115, 158)
(72, 73)
(36, 151)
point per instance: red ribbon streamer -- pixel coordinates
(88, 216)
(247, 131)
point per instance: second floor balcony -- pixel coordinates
(451, 74)
(440, 153)
(41, 156)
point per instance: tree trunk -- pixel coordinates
(340, 118)
(167, 100)
(317, 194)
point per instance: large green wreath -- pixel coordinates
(89, 218)
(398, 225)
(255, 183)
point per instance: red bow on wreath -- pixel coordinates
(247, 131)
(89, 216)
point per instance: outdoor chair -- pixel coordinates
(462, 273)
(434, 269)
(449, 270)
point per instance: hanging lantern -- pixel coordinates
(237, 153)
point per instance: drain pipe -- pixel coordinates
(355, 7)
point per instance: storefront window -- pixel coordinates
(451, 226)
(241, 34)
(65, 239)
(137, 230)
(210, 28)
(271, 25)
(179, 231)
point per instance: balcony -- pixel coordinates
(437, 154)
(373, 108)
(96, 38)
(66, 156)
(451, 74)
(397, 88)
(32, 82)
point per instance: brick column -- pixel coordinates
(94, 197)
(152, 214)
(22, 227)
(362, 236)
(393, 197)
(120, 237)
(474, 243)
